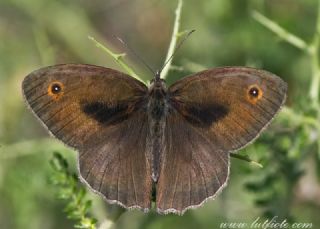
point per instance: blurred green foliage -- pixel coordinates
(37, 33)
(70, 190)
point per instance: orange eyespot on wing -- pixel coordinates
(55, 90)
(254, 93)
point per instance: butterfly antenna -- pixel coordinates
(175, 50)
(135, 54)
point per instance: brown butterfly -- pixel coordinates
(133, 139)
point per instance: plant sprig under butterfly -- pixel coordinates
(71, 190)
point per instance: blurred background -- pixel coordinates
(38, 33)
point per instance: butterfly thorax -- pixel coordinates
(157, 111)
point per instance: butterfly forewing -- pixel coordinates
(231, 104)
(101, 113)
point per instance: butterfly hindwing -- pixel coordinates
(192, 167)
(120, 169)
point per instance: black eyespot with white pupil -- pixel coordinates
(254, 92)
(56, 88)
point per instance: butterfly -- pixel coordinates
(134, 140)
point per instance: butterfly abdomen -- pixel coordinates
(157, 111)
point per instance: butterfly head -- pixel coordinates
(158, 84)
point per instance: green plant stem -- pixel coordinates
(315, 80)
(315, 77)
(117, 57)
(281, 32)
(314, 88)
(173, 42)
(246, 158)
